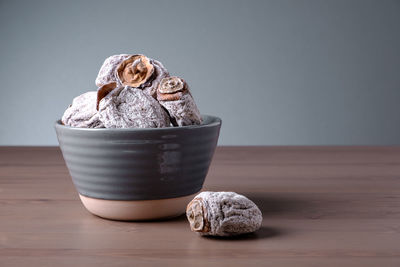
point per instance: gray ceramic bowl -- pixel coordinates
(138, 165)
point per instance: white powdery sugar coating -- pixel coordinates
(230, 213)
(107, 70)
(160, 72)
(183, 111)
(127, 107)
(82, 112)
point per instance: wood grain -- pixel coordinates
(322, 206)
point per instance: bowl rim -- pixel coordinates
(216, 121)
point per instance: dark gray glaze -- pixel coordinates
(139, 164)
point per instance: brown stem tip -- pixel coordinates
(196, 214)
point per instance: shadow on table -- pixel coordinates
(263, 232)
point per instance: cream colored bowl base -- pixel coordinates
(136, 209)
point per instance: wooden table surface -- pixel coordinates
(322, 206)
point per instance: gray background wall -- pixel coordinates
(276, 72)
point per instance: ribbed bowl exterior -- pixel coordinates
(139, 164)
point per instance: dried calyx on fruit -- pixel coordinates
(174, 95)
(171, 89)
(134, 71)
(137, 71)
(196, 213)
(223, 214)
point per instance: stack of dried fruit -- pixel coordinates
(134, 91)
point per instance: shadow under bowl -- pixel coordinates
(138, 173)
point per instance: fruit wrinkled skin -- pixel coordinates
(127, 107)
(223, 214)
(82, 112)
